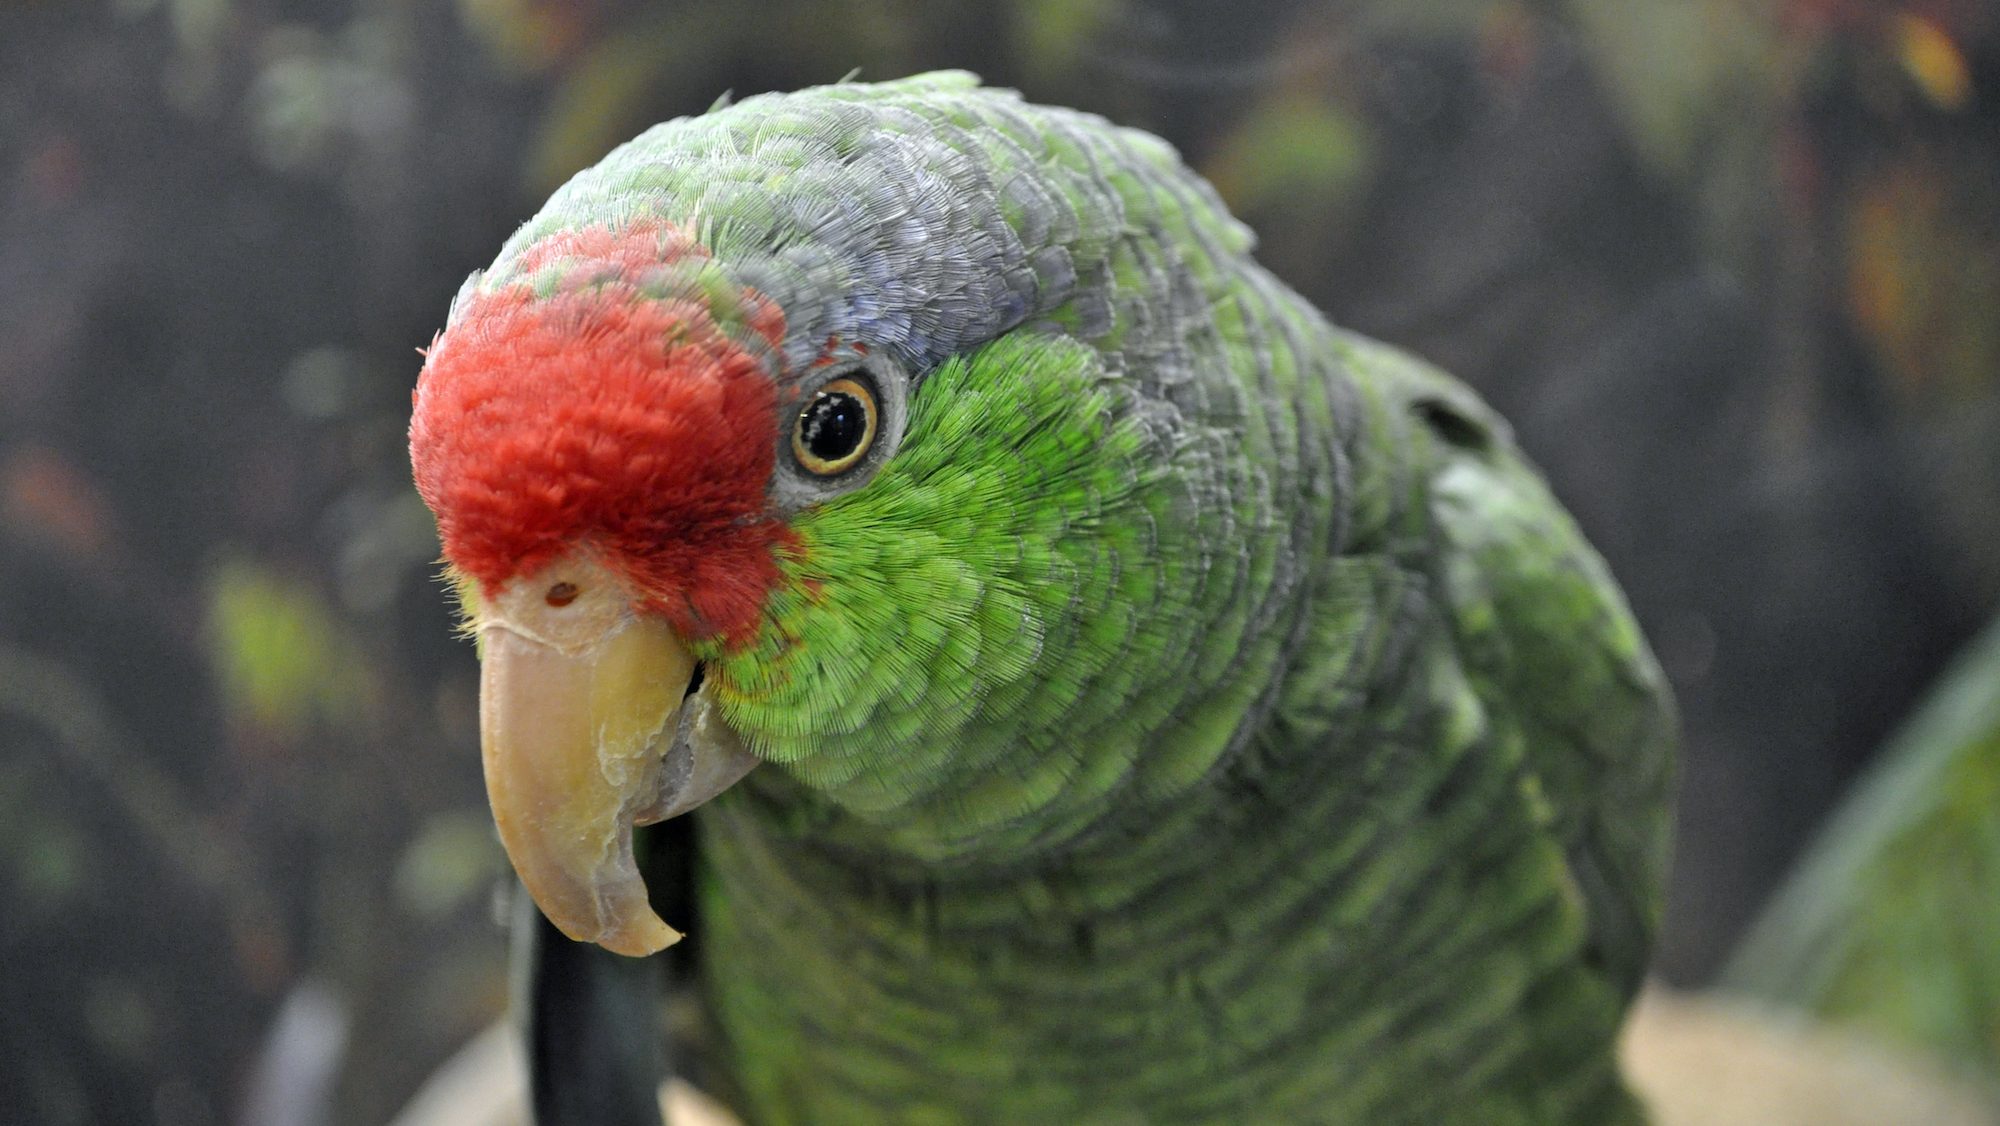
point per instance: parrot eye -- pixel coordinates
(836, 427)
(561, 594)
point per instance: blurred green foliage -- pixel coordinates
(1892, 923)
(281, 658)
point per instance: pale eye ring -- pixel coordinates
(836, 427)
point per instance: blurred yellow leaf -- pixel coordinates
(1923, 274)
(1933, 61)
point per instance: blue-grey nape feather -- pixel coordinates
(923, 217)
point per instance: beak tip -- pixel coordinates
(638, 937)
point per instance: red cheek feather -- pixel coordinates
(600, 417)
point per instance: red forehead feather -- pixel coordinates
(601, 418)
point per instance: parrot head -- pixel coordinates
(685, 551)
(600, 445)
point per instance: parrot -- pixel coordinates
(1109, 692)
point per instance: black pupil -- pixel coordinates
(833, 425)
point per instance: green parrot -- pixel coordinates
(1114, 694)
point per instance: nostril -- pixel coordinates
(561, 594)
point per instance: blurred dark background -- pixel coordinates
(1731, 266)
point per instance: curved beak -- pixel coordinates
(584, 736)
